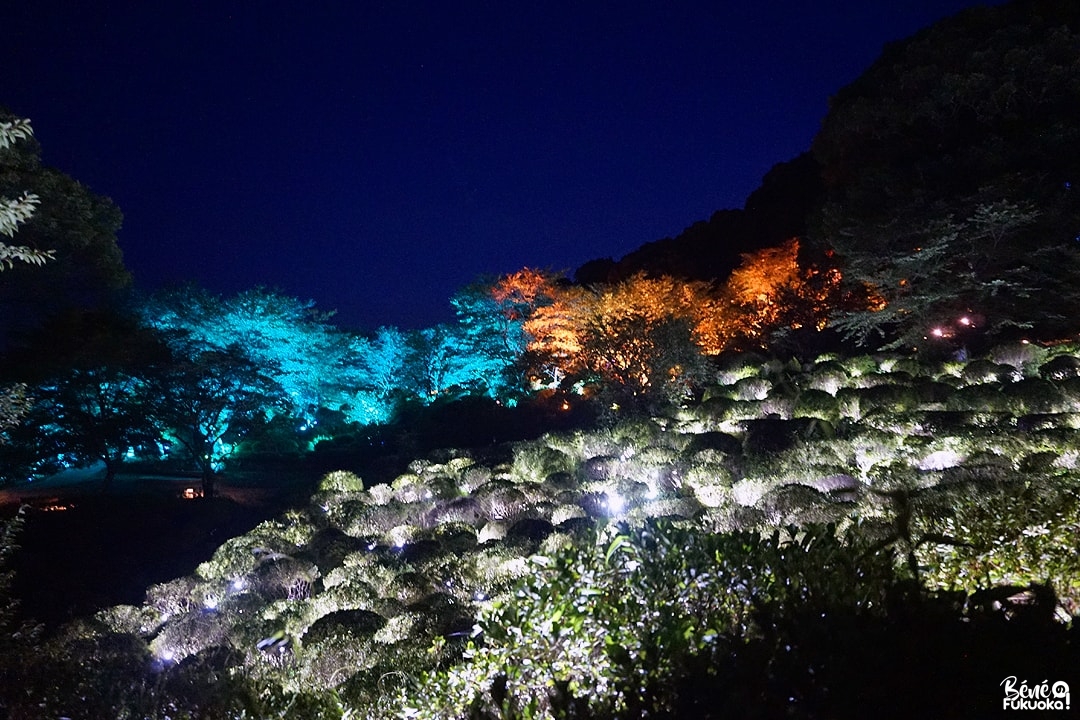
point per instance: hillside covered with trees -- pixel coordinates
(804, 456)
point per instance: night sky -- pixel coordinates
(375, 157)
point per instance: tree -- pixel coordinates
(16, 211)
(91, 387)
(490, 319)
(374, 381)
(988, 272)
(637, 335)
(950, 167)
(14, 402)
(287, 337)
(435, 366)
(57, 219)
(775, 293)
(209, 398)
(553, 354)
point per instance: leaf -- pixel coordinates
(618, 543)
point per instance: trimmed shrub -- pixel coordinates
(329, 548)
(1034, 395)
(817, 403)
(536, 461)
(338, 645)
(751, 389)
(467, 510)
(501, 500)
(982, 371)
(981, 398)
(827, 377)
(1060, 368)
(283, 578)
(1022, 357)
(797, 504)
(341, 482)
(189, 633)
(888, 398)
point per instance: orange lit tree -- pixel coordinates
(648, 335)
(637, 335)
(775, 291)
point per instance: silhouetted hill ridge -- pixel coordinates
(710, 249)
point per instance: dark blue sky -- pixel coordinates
(376, 156)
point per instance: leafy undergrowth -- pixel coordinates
(866, 533)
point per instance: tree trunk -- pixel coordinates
(208, 479)
(110, 474)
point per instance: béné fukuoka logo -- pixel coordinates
(1039, 696)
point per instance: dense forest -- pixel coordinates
(808, 454)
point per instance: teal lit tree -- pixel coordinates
(372, 381)
(209, 399)
(491, 338)
(436, 364)
(286, 337)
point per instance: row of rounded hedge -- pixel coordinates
(741, 520)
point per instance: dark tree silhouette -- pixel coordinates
(207, 399)
(88, 373)
(71, 221)
(949, 168)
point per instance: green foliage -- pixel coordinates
(12, 634)
(935, 275)
(1061, 367)
(17, 638)
(341, 482)
(11, 131)
(949, 169)
(615, 626)
(1014, 534)
(1025, 358)
(14, 403)
(718, 606)
(536, 461)
(817, 404)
